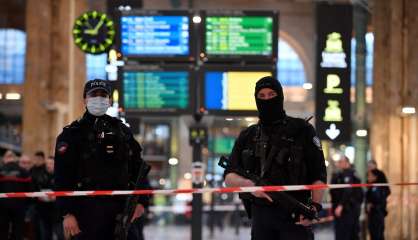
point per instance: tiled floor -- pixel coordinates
(154, 232)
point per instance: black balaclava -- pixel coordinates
(271, 110)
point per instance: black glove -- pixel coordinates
(317, 206)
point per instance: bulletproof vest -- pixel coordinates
(280, 153)
(103, 154)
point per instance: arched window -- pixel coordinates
(369, 59)
(12, 56)
(95, 66)
(290, 69)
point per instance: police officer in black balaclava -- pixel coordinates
(269, 99)
(281, 150)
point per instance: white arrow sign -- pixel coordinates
(332, 131)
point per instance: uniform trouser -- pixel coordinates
(97, 218)
(12, 218)
(271, 223)
(376, 224)
(47, 219)
(347, 227)
(136, 230)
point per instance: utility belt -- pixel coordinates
(286, 214)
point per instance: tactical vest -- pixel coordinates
(103, 154)
(278, 157)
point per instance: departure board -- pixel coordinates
(156, 90)
(240, 35)
(231, 90)
(154, 35)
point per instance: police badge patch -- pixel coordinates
(317, 142)
(62, 147)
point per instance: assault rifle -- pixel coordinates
(285, 200)
(123, 220)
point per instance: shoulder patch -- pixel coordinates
(346, 179)
(62, 147)
(317, 142)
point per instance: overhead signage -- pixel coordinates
(334, 28)
(156, 90)
(155, 35)
(333, 56)
(231, 90)
(149, 35)
(239, 35)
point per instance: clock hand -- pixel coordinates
(90, 30)
(96, 29)
(88, 24)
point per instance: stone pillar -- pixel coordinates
(55, 72)
(394, 139)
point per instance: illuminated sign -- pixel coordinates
(155, 35)
(333, 55)
(243, 35)
(333, 82)
(156, 90)
(231, 90)
(334, 27)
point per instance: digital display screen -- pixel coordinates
(332, 99)
(156, 90)
(231, 90)
(155, 35)
(240, 35)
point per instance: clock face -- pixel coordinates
(93, 32)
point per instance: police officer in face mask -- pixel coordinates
(280, 150)
(96, 152)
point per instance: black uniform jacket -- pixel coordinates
(95, 153)
(304, 145)
(349, 198)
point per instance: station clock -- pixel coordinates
(94, 32)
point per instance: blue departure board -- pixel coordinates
(155, 35)
(156, 90)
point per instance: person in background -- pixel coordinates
(346, 202)
(9, 156)
(26, 163)
(13, 178)
(39, 173)
(372, 165)
(41, 182)
(48, 215)
(376, 200)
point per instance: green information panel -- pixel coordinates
(223, 145)
(246, 35)
(156, 90)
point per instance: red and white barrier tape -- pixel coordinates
(195, 190)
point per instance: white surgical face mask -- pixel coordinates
(98, 106)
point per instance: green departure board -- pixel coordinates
(156, 90)
(243, 35)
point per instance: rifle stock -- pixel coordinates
(284, 199)
(123, 220)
